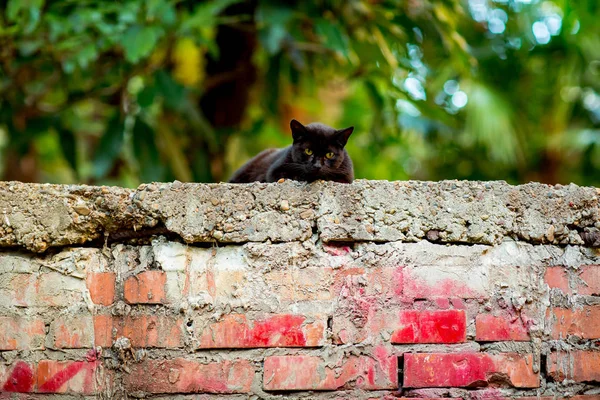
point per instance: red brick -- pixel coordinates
(18, 377)
(77, 377)
(146, 287)
(102, 287)
(468, 370)
(314, 373)
(103, 330)
(585, 397)
(187, 376)
(557, 278)
(590, 275)
(17, 333)
(446, 326)
(235, 331)
(579, 366)
(143, 331)
(490, 328)
(72, 333)
(583, 322)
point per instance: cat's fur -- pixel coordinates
(293, 163)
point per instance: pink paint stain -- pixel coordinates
(20, 379)
(284, 330)
(337, 250)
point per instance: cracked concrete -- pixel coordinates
(40, 216)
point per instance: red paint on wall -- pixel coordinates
(20, 379)
(446, 326)
(285, 330)
(53, 384)
(288, 328)
(447, 370)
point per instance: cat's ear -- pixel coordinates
(343, 134)
(298, 130)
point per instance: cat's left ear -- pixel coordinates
(298, 130)
(343, 135)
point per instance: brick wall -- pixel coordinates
(367, 291)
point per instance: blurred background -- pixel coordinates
(132, 91)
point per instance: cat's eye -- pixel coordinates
(329, 155)
(308, 151)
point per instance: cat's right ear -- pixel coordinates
(298, 130)
(343, 135)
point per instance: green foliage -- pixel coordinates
(136, 91)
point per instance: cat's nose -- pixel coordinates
(317, 164)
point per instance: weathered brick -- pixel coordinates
(77, 377)
(19, 263)
(586, 281)
(468, 370)
(582, 322)
(364, 319)
(187, 376)
(102, 287)
(18, 290)
(491, 328)
(236, 331)
(48, 289)
(146, 287)
(143, 331)
(75, 332)
(590, 280)
(383, 283)
(446, 281)
(297, 284)
(315, 373)
(578, 365)
(20, 333)
(18, 377)
(557, 278)
(58, 290)
(171, 256)
(445, 326)
(558, 397)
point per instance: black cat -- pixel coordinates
(317, 153)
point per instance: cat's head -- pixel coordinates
(319, 147)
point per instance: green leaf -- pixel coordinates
(273, 19)
(205, 14)
(174, 94)
(32, 10)
(29, 47)
(109, 146)
(145, 97)
(272, 38)
(69, 147)
(86, 55)
(146, 153)
(334, 38)
(162, 10)
(139, 41)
